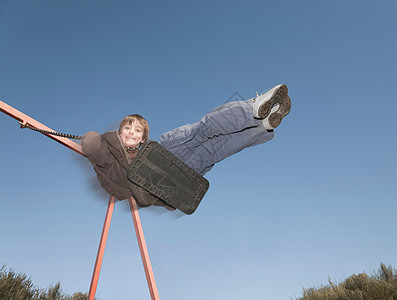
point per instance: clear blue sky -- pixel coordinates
(318, 202)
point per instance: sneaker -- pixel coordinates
(264, 103)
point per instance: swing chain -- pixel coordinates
(65, 135)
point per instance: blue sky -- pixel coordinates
(318, 202)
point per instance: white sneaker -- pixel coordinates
(265, 102)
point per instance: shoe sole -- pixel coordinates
(284, 109)
(280, 97)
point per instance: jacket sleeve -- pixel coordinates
(96, 149)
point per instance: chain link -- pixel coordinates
(65, 135)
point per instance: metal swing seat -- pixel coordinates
(164, 175)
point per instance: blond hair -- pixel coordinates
(128, 120)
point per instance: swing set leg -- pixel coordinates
(144, 253)
(142, 246)
(101, 249)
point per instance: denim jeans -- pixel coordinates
(223, 132)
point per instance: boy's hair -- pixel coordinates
(130, 119)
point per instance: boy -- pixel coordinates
(225, 131)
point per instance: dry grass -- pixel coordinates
(380, 286)
(20, 287)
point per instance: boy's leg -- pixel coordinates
(226, 119)
(203, 157)
(226, 130)
(233, 117)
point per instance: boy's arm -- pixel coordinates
(96, 149)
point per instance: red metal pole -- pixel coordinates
(21, 117)
(144, 253)
(101, 249)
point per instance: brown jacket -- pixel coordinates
(110, 162)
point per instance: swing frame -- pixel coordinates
(24, 119)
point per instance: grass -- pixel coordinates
(380, 286)
(15, 286)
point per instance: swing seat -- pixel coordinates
(162, 174)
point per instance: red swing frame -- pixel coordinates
(21, 117)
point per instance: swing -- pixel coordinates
(162, 174)
(159, 172)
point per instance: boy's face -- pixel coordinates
(131, 134)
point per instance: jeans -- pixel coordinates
(223, 132)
